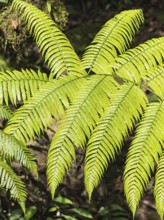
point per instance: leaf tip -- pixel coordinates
(22, 204)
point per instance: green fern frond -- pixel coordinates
(20, 85)
(60, 157)
(76, 125)
(144, 150)
(155, 80)
(113, 39)
(54, 45)
(14, 149)
(107, 138)
(135, 62)
(36, 114)
(159, 187)
(5, 112)
(10, 181)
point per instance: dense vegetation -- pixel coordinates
(100, 101)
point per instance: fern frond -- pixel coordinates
(14, 149)
(5, 112)
(155, 80)
(144, 150)
(37, 112)
(107, 138)
(76, 125)
(135, 62)
(54, 45)
(10, 181)
(113, 39)
(20, 85)
(159, 187)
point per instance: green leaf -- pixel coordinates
(54, 45)
(63, 200)
(30, 212)
(159, 186)
(113, 39)
(135, 62)
(10, 181)
(144, 150)
(36, 114)
(16, 214)
(154, 79)
(53, 209)
(16, 86)
(13, 149)
(49, 6)
(5, 112)
(76, 125)
(69, 217)
(82, 212)
(113, 127)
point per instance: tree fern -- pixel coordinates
(145, 149)
(11, 150)
(135, 62)
(5, 112)
(76, 126)
(105, 141)
(154, 79)
(11, 181)
(96, 111)
(16, 86)
(159, 187)
(53, 44)
(36, 114)
(14, 149)
(113, 39)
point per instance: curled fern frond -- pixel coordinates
(54, 45)
(76, 125)
(107, 138)
(135, 62)
(36, 114)
(159, 187)
(20, 85)
(13, 149)
(144, 150)
(5, 112)
(10, 181)
(113, 39)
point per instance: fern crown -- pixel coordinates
(98, 100)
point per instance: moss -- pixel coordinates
(58, 12)
(12, 30)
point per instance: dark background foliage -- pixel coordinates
(80, 20)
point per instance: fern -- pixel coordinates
(5, 112)
(154, 79)
(14, 149)
(11, 182)
(135, 62)
(159, 187)
(97, 111)
(76, 126)
(145, 149)
(37, 112)
(105, 142)
(11, 150)
(113, 39)
(16, 86)
(53, 44)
